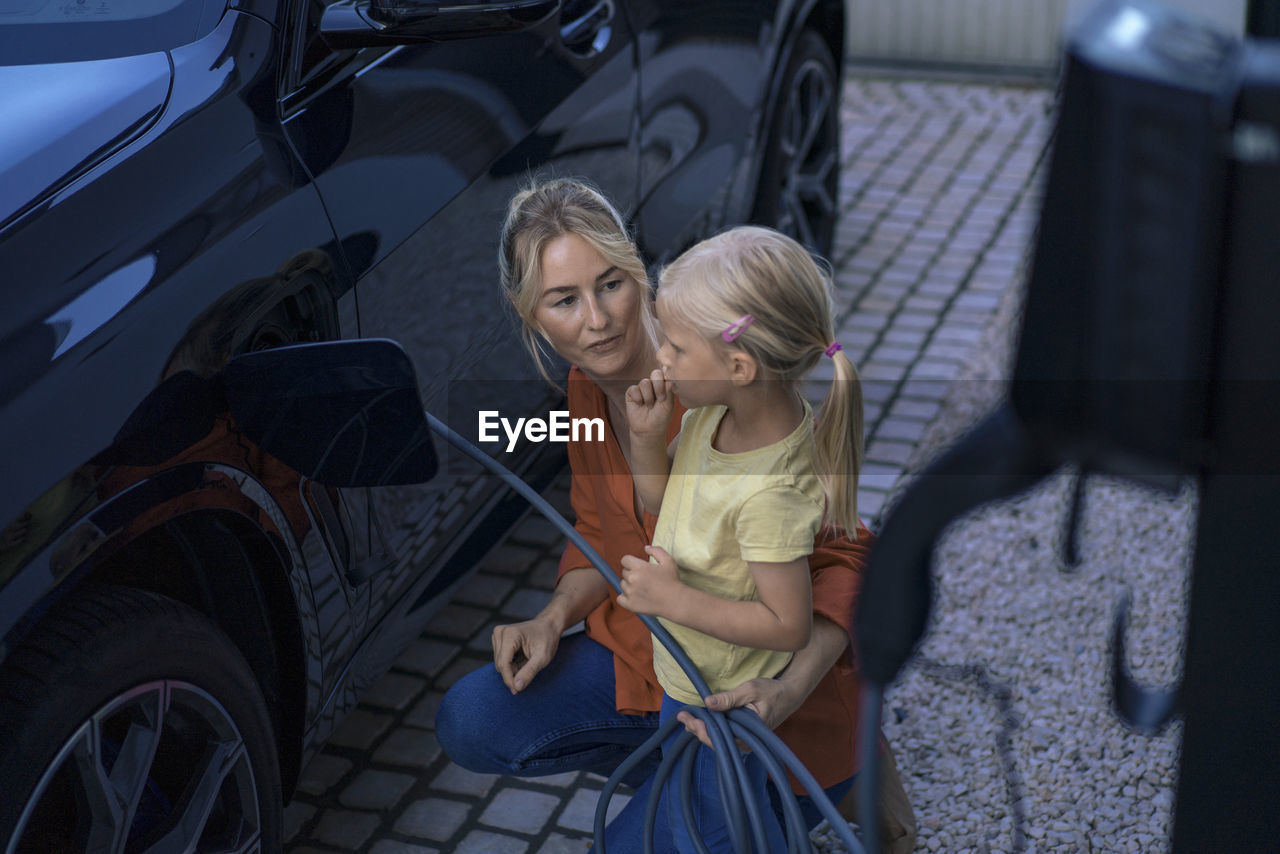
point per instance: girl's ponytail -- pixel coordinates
(838, 439)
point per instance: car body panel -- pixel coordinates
(100, 337)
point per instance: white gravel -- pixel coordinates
(1007, 615)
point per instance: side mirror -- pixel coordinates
(344, 413)
(381, 23)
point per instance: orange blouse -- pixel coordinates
(821, 731)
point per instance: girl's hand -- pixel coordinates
(648, 587)
(649, 406)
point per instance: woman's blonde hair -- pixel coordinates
(542, 212)
(763, 273)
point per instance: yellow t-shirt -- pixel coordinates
(720, 511)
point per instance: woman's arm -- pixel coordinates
(780, 619)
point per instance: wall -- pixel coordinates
(1002, 34)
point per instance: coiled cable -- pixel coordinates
(744, 821)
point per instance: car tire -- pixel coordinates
(798, 191)
(129, 721)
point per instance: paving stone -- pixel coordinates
(521, 810)
(947, 350)
(559, 781)
(866, 320)
(394, 691)
(427, 657)
(925, 302)
(536, 530)
(509, 559)
(544, 574)
(345, 829)
(322, 773)
(361, 729)
(437, 819)
(459, 781)
(410, 747)
(982, 302)
(376, 790)
(459, 668)
(482, 643)
(915, 410)
(900, 429)
(870, 503)
(558, 844)
(485, 842)
(881, 451)
(459, 622)
(525, 604)
(935, 369)
(394, 846)
(889, 354)
(882, 371)
(877, 391)
(580, 813)
(424, 714)
(915, 320)
(923, 389)
(879, 476)
(296, 815)
(485, 590)
(951, 332)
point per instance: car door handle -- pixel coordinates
(589, 33)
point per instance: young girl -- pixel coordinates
(745, 486)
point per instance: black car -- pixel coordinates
(184, 617)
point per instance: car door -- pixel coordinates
(416, 150)
(702, 72)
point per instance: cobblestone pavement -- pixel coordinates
(940, 189)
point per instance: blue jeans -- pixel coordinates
(565, 720)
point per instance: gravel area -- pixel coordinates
(1002, 724)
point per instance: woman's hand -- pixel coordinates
(771, 699)
(774, 700)
(649, 406)
(648, 587)
(521, 650)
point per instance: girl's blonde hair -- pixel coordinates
(763, 273)
(542, 212)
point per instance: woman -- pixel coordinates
(551, 704)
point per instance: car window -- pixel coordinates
(310, 56)
(43, 31)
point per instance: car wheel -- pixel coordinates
(130, 723)
(799, 187)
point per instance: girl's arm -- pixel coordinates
(781, 619)
(649, 406)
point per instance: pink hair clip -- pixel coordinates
(831, 350)
(737, 328)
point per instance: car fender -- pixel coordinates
(90, 537)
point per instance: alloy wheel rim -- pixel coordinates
(160, 769)
(807, 203)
